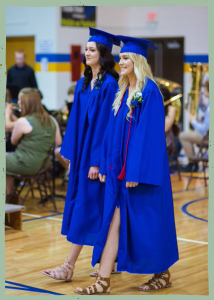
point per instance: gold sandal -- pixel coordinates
(114, 271)
(158, 282)
(100, 287)
(64, 272)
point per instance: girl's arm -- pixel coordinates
(58, 137)
(21, 127)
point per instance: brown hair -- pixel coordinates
(31, 104)
(206, 85)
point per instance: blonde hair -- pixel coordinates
(31, 104)
(141, 70)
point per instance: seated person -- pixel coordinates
(68, 106)
(11, 116)
(34, 134)
(189, 138)
(66, 109)
(171, 129)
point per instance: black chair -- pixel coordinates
(42, 179)
(173, 159)
(202, 156)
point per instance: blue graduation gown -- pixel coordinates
(82, 146)
(147, 242)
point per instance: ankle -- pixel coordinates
(70, 261)
(69, 265)
(103, 278)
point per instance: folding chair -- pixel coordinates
(43, 185)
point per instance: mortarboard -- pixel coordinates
(135, 45)
(103, 37)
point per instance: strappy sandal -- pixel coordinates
(158, 282)
(64, 272)
(100, 287)
(114, 271)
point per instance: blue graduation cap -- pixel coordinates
(103, 37)
(135, 45)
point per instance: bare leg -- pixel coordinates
(187, 140)
(111, 248)
(74, 253)
(64, 162)
(9, 184)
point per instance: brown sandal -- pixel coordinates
(114, 271)
(158, 282)
(100, 287)
(64, 272)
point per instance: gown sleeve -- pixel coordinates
(71, 130)
(108, 99)
(146, 152)
(104, 148)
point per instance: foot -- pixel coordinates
(64, 272)
(96, 272)
(158, 282)
(100, 287)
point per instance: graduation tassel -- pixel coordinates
(123, 172)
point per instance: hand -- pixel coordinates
(102, 178)
(8, 110)
(131, 184)
(192, 118)
(93, 173)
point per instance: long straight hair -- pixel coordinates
(141, 70)
(31, 104)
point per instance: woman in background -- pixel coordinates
(34, 134)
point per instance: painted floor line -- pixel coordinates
(31, 215)
(54, 219)
(45, 217)
(30, 290)
(27, 288)
(192, 241)
(184, 209)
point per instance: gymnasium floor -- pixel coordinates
(40, 246)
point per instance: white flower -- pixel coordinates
(139, 95)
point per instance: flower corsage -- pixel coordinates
(138, 98)
(98, 82)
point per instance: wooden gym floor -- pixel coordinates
(40, 246)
